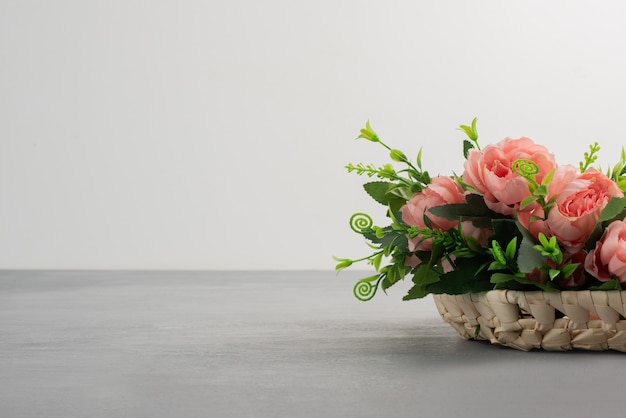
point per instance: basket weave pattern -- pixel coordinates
(528, 320)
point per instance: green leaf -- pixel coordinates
(427, 221)
(504, 231)
(394, 275)
(482, 267)
(612, 209)
(498, 254)
(396, 219)
(416, 292)
(464, 278)
(542, 190)
(467, 146)
(418, 160)
(376, 261)
(528, 258)
(378, 191)
(501, 278)
(383, 193)
(390, 277)
(470, 131)
(548, 287)
(473, 243)
(553, 273)
(511, 249)
(543, 240)
(400, 191)
(548, 177)
(496, 266)
(527, 201)
(595, 235)
(609, 285)
(569, 269)
(467, 130)
(474, 207)
(424, 276)
(391, 238)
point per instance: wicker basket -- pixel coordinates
(588, 320)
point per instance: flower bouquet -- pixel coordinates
(517, 249)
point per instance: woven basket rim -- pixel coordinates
(526, 320)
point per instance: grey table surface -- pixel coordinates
(267, 344)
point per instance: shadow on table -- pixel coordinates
(431, 345)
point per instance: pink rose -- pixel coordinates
(578, 207)
(489, 171)
(441, 191)
(537, 276)
(608, 258)
(412, 261)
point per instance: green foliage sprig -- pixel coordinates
(618, 172)
(472, 134)
(590, 157)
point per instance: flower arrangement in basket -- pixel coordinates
(517, 250)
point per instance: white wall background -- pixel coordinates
(213, 134)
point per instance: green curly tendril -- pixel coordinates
(365, 289)
(525, 168)
(359, 222)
